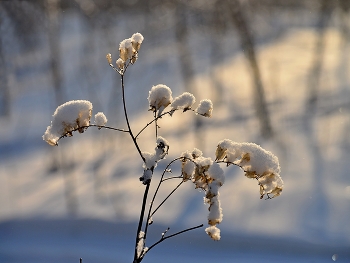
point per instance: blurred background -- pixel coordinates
(278, 74)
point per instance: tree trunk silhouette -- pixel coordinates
(62, 162)
(313, 84)
(186, 64)
(5, 98)
(240, 22)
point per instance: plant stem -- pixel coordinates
(166, 198)
(155, 194)
(142, 214)
(155, 119)
(177, 233)
(127, 120)
(156, 124)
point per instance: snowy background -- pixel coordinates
(82, 199)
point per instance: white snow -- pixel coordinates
(184, 101)
(205, 108)
(100, 119)
(68, 117)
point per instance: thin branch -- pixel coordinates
(154, 120)
(173, 177)
(166, 198)
(127, 120)
(156, 192)
(178, 233)
(170, 112)
(156, 124)
(83, 128)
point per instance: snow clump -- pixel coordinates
(205, 108)
(256, 162)
(160, 96)
(184, 101)
(213, 232)
(128, 49)
(208, 176)
(151, 159)
(70, 116)
(100, 119)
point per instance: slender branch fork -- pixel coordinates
(175, 234)
(150, 213)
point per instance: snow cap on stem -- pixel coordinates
(100, 119)
(136, 41)
(184, 101)
(205, 108)
(70, 116)
(160, 96)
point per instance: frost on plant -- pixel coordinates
(256, 162)
(205, 173)
(70, 116)
(213, 232)
(100, 119)
(160, 96)
(184, 101)
(151, 159)
(205, 108)
(140, 244)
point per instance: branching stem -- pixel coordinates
(155, 194)
(166, 198)
(154, 120)
(177, 233)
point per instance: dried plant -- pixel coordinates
(204, 172)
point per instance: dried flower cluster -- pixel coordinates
(208, 176)
(70, 116)
(160, 97)
(256, 162)
(128, 52)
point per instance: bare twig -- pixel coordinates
(83, 128)
(177, 233)
(156, 192)
(154, 120)
(127, 120)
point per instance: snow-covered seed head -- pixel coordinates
(109, 58)
(216, 173)
(126, 51)
(120, 63)
(222, 148)
(100, 119)
(162, 147)
(196, 153)
(136, 41)
(270, 183)
(70, 116)
(220, 153)
(160, 96)
(205, 108)
(187, 169)
(213, 232)
(184, 101)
